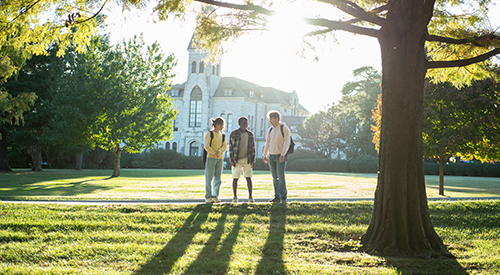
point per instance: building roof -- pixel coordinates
(242, 88)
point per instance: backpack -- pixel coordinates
(205, 153)
(292, 144)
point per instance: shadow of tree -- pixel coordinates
(439, 265)
(272, 253)
(164, 260)
(223, 254)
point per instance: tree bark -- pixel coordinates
(441, 176)
(400, 221)
(36, 157)
(4, 159)
(79, 161)
(116, 167)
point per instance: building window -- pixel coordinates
(202, 67)
(195, 108)
(261, 126)
(174, 146)
(213, 70)
(175, 126)
(229, 122)
(167, 145)
(228, 92)
(193, 67)
(250, 94)
(193, 148)
(218, 70)
(175, 92)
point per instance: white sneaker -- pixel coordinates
(235, 200)
(251, 200)
(215, 199)
(209, 200)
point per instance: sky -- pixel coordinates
(275, 58)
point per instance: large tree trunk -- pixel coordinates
(79, 161)
(441, 176)
(116, 168)
(36, 157)
(4, 159)
(400, 221)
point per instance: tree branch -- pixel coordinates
(474, 41)
(463, 62)
(247, 7)
(358, 12)
(334, 25)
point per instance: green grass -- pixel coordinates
(295, 238)
(160, 184)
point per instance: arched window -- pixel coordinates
(218, 70)
(174, 146)
(202, 67)
(167, 145)
(213, 70)
(193, 67)
(193, 148)
(195, 107)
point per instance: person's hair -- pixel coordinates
(242, 118)
(274, 114)
(218, 120)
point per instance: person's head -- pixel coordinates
(243, 122)
(274, 117)
(218, 123)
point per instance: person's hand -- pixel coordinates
(252, 165)
(264, 159)
(216, 154)
(282, 158)
(233, 164)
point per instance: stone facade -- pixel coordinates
(207, 95)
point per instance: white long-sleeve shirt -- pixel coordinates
(276, 143)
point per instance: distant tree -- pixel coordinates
(126, 87)
(328, 132)
(12, 109)
(458, 122)
(461, 122)
(360, 97)
(39, 75)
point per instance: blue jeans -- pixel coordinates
(213, 170)
(278, 171)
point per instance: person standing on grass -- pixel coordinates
(242, 156)
(215, 145)
(277, 144)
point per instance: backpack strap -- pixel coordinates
(211, 137)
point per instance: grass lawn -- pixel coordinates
(294, 238)
(262, 238)
(161, 184)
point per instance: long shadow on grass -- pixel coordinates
(163, 261)
(218, 260)
(272, 253)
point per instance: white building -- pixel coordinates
(206, 94)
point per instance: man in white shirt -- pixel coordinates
(277, 144)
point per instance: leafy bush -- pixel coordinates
(363, 166)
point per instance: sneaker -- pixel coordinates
(251, 200)
(216, 200)
(275, 200)
(235, 200)
(209, 200)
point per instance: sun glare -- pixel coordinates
(288, 26)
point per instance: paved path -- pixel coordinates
(200, 201)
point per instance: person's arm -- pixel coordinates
(266, 147)
(207, 146)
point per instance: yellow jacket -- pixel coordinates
(218, 145)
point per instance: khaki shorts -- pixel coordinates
(242, 165)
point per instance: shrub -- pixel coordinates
(363, 166)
